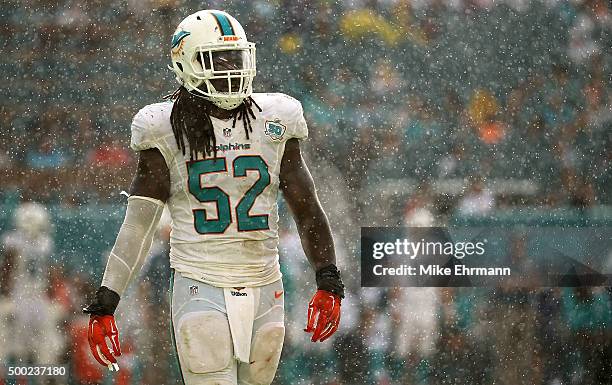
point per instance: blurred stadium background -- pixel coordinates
(420, 112)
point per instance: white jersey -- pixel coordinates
(224, 211)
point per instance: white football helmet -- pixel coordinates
(211, 45)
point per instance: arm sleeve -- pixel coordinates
(133, 242)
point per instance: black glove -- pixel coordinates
(328, 279)
(105, 303)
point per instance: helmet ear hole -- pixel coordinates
(180, 66)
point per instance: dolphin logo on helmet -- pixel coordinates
(177, 41)
(177, 37)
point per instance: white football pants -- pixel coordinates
(227, 336)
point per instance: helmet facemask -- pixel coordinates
(223, 74)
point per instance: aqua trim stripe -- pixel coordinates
(224, 24)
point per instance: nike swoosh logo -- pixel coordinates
(277, 294)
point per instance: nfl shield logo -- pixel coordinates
(193, 290)
(227, 132)
(274, 129)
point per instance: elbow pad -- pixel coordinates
(133, 242)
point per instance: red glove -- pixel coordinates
(100, 328)
(323, 315)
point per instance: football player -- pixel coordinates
(216, 153)
(27, 315)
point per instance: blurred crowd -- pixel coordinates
(412, 91)
(418, 112)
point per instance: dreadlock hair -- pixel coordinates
(190, 119)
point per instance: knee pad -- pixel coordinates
(204, 341)
(265, 354)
